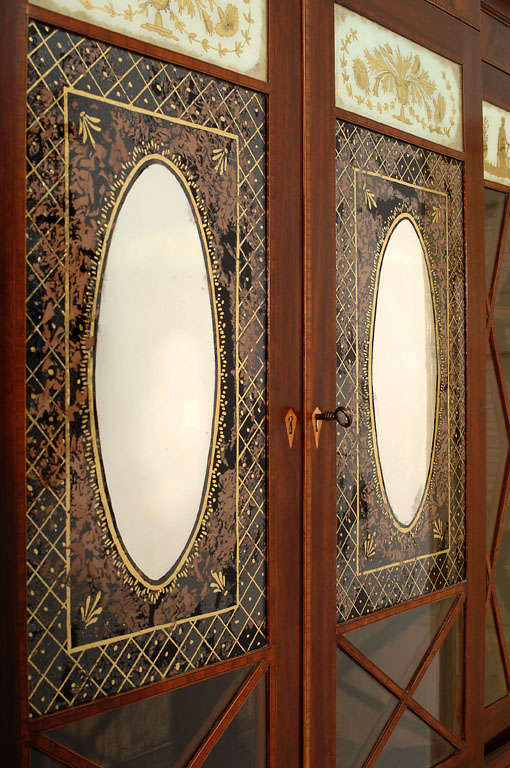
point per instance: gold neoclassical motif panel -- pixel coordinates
(401, 465)
(231, 34)
(496, 143)
(388, 78)
(102, 124)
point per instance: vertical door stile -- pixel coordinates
(319, 489)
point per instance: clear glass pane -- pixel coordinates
(497, 448)
(441, 690)
(494, 207)
(404, 320)
(38, 760)
(495, 685)
(502, 578)
(413, 745)
(244, 742)
(362, 708)
(156, 733)
(397, 644)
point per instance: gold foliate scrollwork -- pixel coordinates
(170, 19)
(389, 80)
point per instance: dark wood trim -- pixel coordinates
(319, 647)
(455, 761)
(111, 703)
(144, 49)
(494, 36)
(64, 755)
(422, 22)
(13, 635)
(496, 90)
(498, 187)
(396, 133)
(394, 610)
(499, 255)
(285, 381)
(499, 757)
(404, 695)
(496, 719)
(226, 717)
(468, 12)
(435, 645)
(474, 660)
(498, 10)
(384, 735)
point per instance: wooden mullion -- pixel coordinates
(499, 252)
(435, 645)
(384, 735)
(226, 717)
(490, 584)
(455, 761)
(110, 703)
(500, 378)
(394, 610)
(59, 752)
(435, 724)
(404, 695)
(369, 666)
(500, 517)
(501, 637)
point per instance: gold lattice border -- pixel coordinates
(58, 679)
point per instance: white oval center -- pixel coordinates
(404, 371)
(155, 371)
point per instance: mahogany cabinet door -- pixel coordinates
(394, 324)
(151, 326)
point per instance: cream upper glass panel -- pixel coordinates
(496, 143)
(230, 34)
(388, 78)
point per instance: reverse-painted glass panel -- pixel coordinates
(391, 79)
(100, 122)
(381, 181)
(232, 34)
(496, 135)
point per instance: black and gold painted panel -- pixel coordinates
(380, 181)
(95, 115)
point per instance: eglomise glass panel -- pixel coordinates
(232, 34)
(146, 370)
(400, 371)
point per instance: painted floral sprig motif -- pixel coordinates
(395, 81)
(402, 75)
(171, 19)
(87, 127)
(218, 583)
(91, 611)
